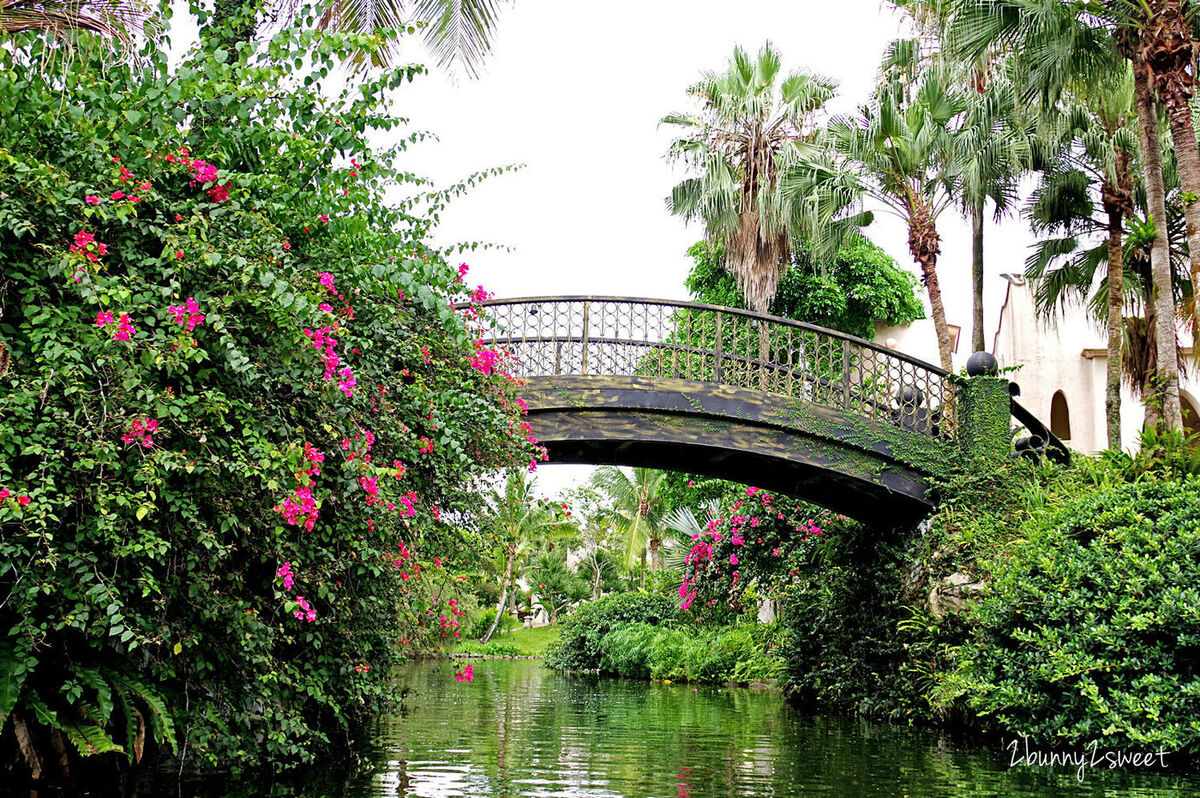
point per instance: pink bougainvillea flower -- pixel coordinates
(347, 383)
(325, 307)
(285, 573)
(125, 329)
(306, 611)
(426, 445)
(327, 280)
(5, 493)
(104, 317)
(118, 195)
(23, 500)
(92, 199)
(188, 315)
(467, 674)
(140, 432)
(178, 254)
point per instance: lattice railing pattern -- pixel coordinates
(686, 340)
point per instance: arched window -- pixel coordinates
(1191, 419)
(1060, 417)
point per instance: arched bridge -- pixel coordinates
(758, 399)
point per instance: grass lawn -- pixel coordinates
(520, 641)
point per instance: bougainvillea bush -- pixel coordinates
(237, 406)
(750, 550)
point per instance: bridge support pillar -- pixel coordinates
(984, 430)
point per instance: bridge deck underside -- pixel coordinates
(729, 433)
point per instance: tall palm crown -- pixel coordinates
(113, 19)
(903, 153)
(638, 506)
(457, 32)
(1065, 42)
(751, 129)
(512, 518)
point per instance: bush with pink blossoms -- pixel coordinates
(182, 524)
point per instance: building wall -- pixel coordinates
(1067, 353)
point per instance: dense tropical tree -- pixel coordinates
(638, 508)
(995, 149)
(902, 153)
(851, 291)
(514, 517)
(751, 129)
(1064, 43)
(1071, 270)
(555, 586)
(1095, 136)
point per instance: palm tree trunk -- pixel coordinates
(1166, 390)
(1187, 157)
(508, 566)
(1116, 327)
(977, 344)
(1169, 49)
(924, 244)
(655, 554)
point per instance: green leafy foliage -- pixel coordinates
(863, 285)
(178, 571)
(1090, 627)
(748, 653)
(579, 646)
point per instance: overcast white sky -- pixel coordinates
(575, 90)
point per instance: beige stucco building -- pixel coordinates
(1062, 367)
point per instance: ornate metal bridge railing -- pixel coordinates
(551, 336)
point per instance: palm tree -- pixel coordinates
(993, 153)
(903, 154)
(1096, 138)
(995, 149)
(458, 32)
(62, 18)
(751, 130)
(1063, 43)
(638, 506)
(1073, 267)
(512, 520)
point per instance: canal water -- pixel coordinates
(521, 730)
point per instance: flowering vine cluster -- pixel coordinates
(753, 541)
(305, 612)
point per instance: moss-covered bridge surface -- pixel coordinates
(757, 399)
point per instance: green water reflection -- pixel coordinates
(519, 730)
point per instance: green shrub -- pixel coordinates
(1091, 626)
(578, 648)
(491, 649)
(719, 654)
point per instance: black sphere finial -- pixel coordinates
(982, 363)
